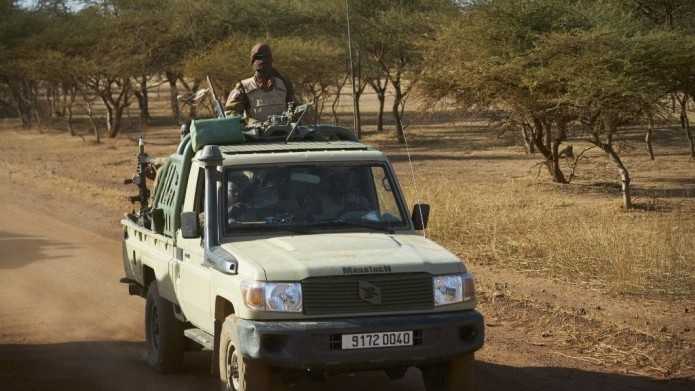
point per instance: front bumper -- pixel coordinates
(316, 345)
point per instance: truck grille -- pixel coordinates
(367, 293)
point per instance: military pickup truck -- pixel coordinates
(288, 251)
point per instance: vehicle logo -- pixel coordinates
(369, 292)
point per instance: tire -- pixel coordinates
(456, 375)
(238, 373)
(163, 333)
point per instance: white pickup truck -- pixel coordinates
(295, 256)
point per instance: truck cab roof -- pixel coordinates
(299, 151)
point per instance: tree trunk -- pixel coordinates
(358, 116)
(143, 101)
(193, 109)
(556, 171)
(528, 140)
(685, 124)
(356, 99)
(21, 95)
(398, 97)
(71, 129)
(625, 180)
(340, 85)
(117, 121)
(380, 115)
(334, 106)
(648, 138)
(92, 120)
(380, 91)
(173, 93)
(109, 115)
(549, 148)
(70, 94)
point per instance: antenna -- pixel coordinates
(412, 173)
(355, 120)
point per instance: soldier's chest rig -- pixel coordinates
(265, 102)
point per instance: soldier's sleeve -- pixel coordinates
(237, 102)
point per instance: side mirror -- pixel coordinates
(158, 221)
(421, 215)
(189, 225)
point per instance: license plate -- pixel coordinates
(384, 339)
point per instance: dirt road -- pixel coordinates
(66, 322)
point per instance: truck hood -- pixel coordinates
(294, 258)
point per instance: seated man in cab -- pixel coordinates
(264, 94)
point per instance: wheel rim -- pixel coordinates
(232, 366)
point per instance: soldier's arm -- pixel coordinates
(237, 102)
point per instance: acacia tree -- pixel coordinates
(490, 63)
(17, 26)
(603, 82)
(555, 65)
(391, 36)
(674, 16)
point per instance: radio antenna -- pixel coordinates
(412, 173)
(355, 119)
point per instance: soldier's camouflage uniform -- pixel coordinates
(260, 100)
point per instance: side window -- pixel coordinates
(199, 201)
(388, 208)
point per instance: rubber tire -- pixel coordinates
(253, 375)
(456, 375)
(166, 356)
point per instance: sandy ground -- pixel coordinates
(66, 322)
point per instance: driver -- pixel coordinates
(264, 94)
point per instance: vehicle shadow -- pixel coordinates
(121, 366)
(17, 250)
(95, 366)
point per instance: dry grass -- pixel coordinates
(490, 207)
(536, 229)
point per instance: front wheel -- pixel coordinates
(163, 333)
(238, 373)
(456, 375)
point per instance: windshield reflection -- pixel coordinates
(311, 197)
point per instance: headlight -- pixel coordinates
(272, 296)
(452, 289)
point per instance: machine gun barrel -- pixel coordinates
(216, 104)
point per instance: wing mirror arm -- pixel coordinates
(421, 216)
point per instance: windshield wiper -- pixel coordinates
(356, 224)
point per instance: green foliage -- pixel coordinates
(553, 57)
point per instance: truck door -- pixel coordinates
(193, 277)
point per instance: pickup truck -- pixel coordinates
(294, 255)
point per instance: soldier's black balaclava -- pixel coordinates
(262, 60)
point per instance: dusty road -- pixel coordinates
(66, 322)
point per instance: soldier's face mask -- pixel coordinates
(261, 65)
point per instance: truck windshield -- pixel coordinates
(311, 197)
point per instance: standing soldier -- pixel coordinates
(264, 94)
